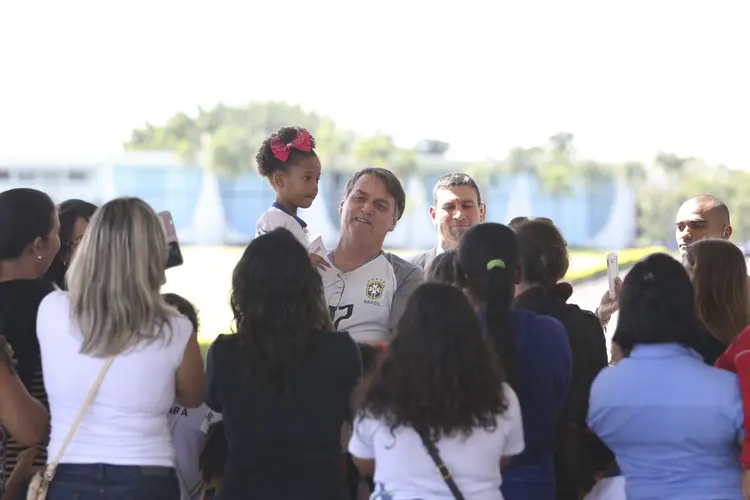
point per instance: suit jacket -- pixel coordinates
(424, 260)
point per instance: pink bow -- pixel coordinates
(301, 143)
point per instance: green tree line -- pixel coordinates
(235, 132)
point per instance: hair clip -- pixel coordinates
(495, 263)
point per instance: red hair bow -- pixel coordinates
(302, 142)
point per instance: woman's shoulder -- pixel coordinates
(339, 341)
(539, 323)
(54, 301)
(181, 323)
(224, 341)
(26, 292)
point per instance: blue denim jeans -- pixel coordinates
(113, 482)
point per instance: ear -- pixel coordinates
(482, 212)
(393, 226)
(727, 232)
(278, 179)
(37, 246)
(519, 275)
(433, 214)
(341, 207)
(65, 258)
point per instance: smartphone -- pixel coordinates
(613, 271)
(174, 255)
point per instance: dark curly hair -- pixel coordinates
(279, 310)
(494, 287)
(69, 212)
(439, 373)
(184, 307)
(543, 252)
(268, 163)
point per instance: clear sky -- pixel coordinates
(628, 78)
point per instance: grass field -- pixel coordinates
(205, 280)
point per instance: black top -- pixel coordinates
(19, 303)
(709, 347)
(288, 447)
(578, 455)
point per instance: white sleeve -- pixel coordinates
(272, 219)
(211, 418)
(361, 442)
(514, 442)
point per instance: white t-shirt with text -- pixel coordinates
(405, 471)
(189, 429)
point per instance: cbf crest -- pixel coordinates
(375, 288)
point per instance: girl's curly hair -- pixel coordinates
(439, 373)
(279, 309)
(268, 163)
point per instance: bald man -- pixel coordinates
(702, 216)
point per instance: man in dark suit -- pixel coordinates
(456, 206)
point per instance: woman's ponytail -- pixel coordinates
(500, 293)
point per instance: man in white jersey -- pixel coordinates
(456, 206)
(367, 288)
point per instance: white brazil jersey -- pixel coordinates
(368, 301)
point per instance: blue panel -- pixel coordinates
(429, 184)
(601, 196)
(332, 186)
(245, 199)
(497, 195)
(167, 188)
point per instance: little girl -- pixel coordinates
(289, 162)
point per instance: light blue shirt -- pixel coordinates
(673, 422)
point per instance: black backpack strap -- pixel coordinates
(443, 469)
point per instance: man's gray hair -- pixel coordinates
(455, 180)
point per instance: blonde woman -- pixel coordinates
(122, 447)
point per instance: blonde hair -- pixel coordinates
(115, 277)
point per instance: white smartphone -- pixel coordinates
(613, 271)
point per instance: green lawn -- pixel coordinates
(205, 279)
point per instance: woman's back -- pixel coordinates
(406, 471)
(672, 421)
(287, 446)
(543, 374)
(126, 424)
(19, 302)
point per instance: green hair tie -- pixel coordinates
(495, 263)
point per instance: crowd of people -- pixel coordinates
(351, 373)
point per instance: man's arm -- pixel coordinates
(419, 259)
(408, 278)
